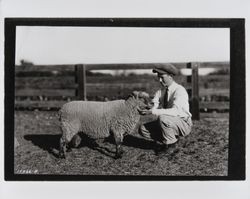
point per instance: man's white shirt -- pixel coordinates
(178, 104)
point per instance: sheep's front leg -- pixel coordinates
(118, 140)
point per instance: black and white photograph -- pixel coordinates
(133, 102)
(129, 99)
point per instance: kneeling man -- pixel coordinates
(171, 108)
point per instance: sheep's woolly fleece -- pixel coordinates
(99, 119)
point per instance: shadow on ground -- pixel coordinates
(50, 143)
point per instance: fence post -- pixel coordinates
(81, 92)
(195, 106)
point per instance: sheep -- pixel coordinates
(101, 119)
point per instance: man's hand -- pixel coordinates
(144, 111)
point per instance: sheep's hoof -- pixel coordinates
(62, 156)
(118, 156)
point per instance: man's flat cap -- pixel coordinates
(166, 69)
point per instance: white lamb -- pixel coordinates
(101, 119)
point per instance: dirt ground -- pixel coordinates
(202, 153)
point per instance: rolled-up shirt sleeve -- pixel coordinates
(168, 111)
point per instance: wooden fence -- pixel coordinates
(48, 87)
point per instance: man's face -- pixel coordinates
(165, 79)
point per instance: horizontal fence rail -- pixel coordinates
(48, 87)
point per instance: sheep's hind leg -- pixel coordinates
(69, 130)
(63, 148)
(118, 141)
(75, 142)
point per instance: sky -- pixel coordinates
(72, 45)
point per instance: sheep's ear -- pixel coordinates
(135, 94)
(143, 94)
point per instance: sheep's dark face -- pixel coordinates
(143, 100)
